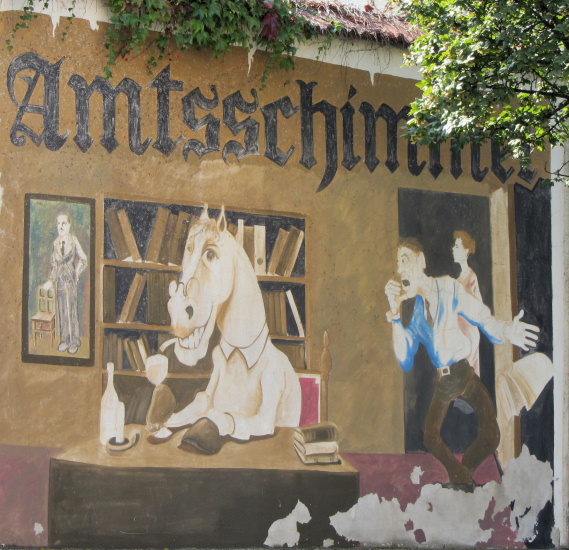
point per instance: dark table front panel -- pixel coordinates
(101, 506)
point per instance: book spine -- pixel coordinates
(281, 309)
(129, 354)
(297, 237)
(274, 316)
(129, 236)
(133, 297)
(249, 243)
(152, 297)
(301, 359)
(180, 237)
(288, 252)
(260, 246)
(135, 353)
(317, 433)
(163, 314)
(117, 235)
(129, 298)
(157, 235)
(240, 231)
(164, 255)
(295, 313)
(109, 294)
(119, 351)
(317, 447)
(142, 350)
(285, 255)
(277, 251)
(107, 349)
(295, 354)
(232, 228)
(265, 297)
(327, 458)
(146, 344)
(138, 294)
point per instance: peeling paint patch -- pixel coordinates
(38, 528)
(58, 9)
(442, 516)
(416, 475)
(250, 56)
(284, 532)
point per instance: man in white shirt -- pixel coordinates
(435, 323)
(68, 261)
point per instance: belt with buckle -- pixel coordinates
(444, 371)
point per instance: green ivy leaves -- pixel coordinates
(214, 25)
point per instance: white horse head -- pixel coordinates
(217, 285)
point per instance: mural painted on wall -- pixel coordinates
(271, 366)
(57, 316)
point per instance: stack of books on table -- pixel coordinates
(318, 443)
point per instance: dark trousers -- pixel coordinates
(464, 383)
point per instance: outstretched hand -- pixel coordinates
(522, 334)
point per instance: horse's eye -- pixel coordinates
(210, 255)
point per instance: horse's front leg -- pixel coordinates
(262, 423)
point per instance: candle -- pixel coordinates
(120, 423)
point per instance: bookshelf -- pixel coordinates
(143, 246)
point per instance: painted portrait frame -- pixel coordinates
(41, 327)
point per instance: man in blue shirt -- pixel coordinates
(434, 323)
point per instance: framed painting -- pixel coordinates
(58, 287)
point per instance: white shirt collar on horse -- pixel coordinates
(252, 352)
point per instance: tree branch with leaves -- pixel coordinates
(491, 70)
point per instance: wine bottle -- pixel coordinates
(109, 407)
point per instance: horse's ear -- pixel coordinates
(204, 215)
(222, 220)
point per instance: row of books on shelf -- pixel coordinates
(167, 237)
(285, 250)
(169, 232)
(276, 311)
(131, 352)
(158, 295)
(318, 443)
(158, 283)
(295, 354)
(136, 350)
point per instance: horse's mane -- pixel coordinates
(209, 226)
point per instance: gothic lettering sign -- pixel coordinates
(337, 141)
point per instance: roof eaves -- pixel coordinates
(385, 26)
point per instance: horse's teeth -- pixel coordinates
(197, 335)
(193, 340)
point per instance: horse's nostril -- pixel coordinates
(190, 312)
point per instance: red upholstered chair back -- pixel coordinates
(310, 387)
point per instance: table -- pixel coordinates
(160, 496)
